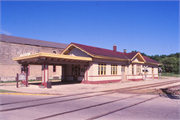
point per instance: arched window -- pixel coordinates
(54, 52)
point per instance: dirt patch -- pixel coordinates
(173, 90)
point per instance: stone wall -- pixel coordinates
(9, 68)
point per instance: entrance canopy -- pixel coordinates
(50, 58)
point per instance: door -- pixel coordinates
(123, 72)
(75, 72)
(152, 73)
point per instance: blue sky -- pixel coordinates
(151, 27)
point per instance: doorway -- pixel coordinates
(75, 72)
(152, 73)
(123, 72)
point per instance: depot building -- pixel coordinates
(88, 64)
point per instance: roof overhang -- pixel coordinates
(153, 63)
(51, 58)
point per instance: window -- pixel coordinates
(113, 69)
(122, 68)
(54, 68)
(132, 69)
(138, 69)
(26, 70)
(76, 70)
(101, 69)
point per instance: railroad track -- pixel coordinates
(104, 114)
(140, 87)
(46, 103)
(111, 91)
(117, 110)
(46, 98)
(75, 110)
(83, 97)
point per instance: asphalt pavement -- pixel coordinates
(63, 89)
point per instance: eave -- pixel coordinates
(137, 62)
(48, 57)
(153, 63)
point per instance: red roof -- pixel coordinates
(130, 55)
(100, 51)
(110, 53)
(150, 60)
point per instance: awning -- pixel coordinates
(50, 58)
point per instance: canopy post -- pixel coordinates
(63, 73)
(25, 68)
(45, 74)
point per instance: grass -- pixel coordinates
(7, 81)
(5, 91)
(29, 81)
(15, 81)
(170, 75)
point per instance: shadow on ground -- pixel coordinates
(172, 94)
(54, 83)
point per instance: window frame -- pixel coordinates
(101, 69)
(113, 69)
(138, 69)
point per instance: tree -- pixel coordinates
(174, 55)
(144, 54)
(134, 51)
(170, 64)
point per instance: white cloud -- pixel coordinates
(4, 32)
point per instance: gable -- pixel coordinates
(138, 58)
(77, 52)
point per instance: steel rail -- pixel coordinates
(113, 90)
(46, 103)
(148, 86)
(105, 114)
(71, 111)
(142, 86)
(46, 98)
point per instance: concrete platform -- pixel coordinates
(65, 89)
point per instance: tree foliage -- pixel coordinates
(170, 63)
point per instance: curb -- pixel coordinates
(26, 94)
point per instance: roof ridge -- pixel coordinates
(30, 41)
(99, 47)
(101, 51)
(90, 46)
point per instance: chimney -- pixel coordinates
(124, 50)
(114, 48)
